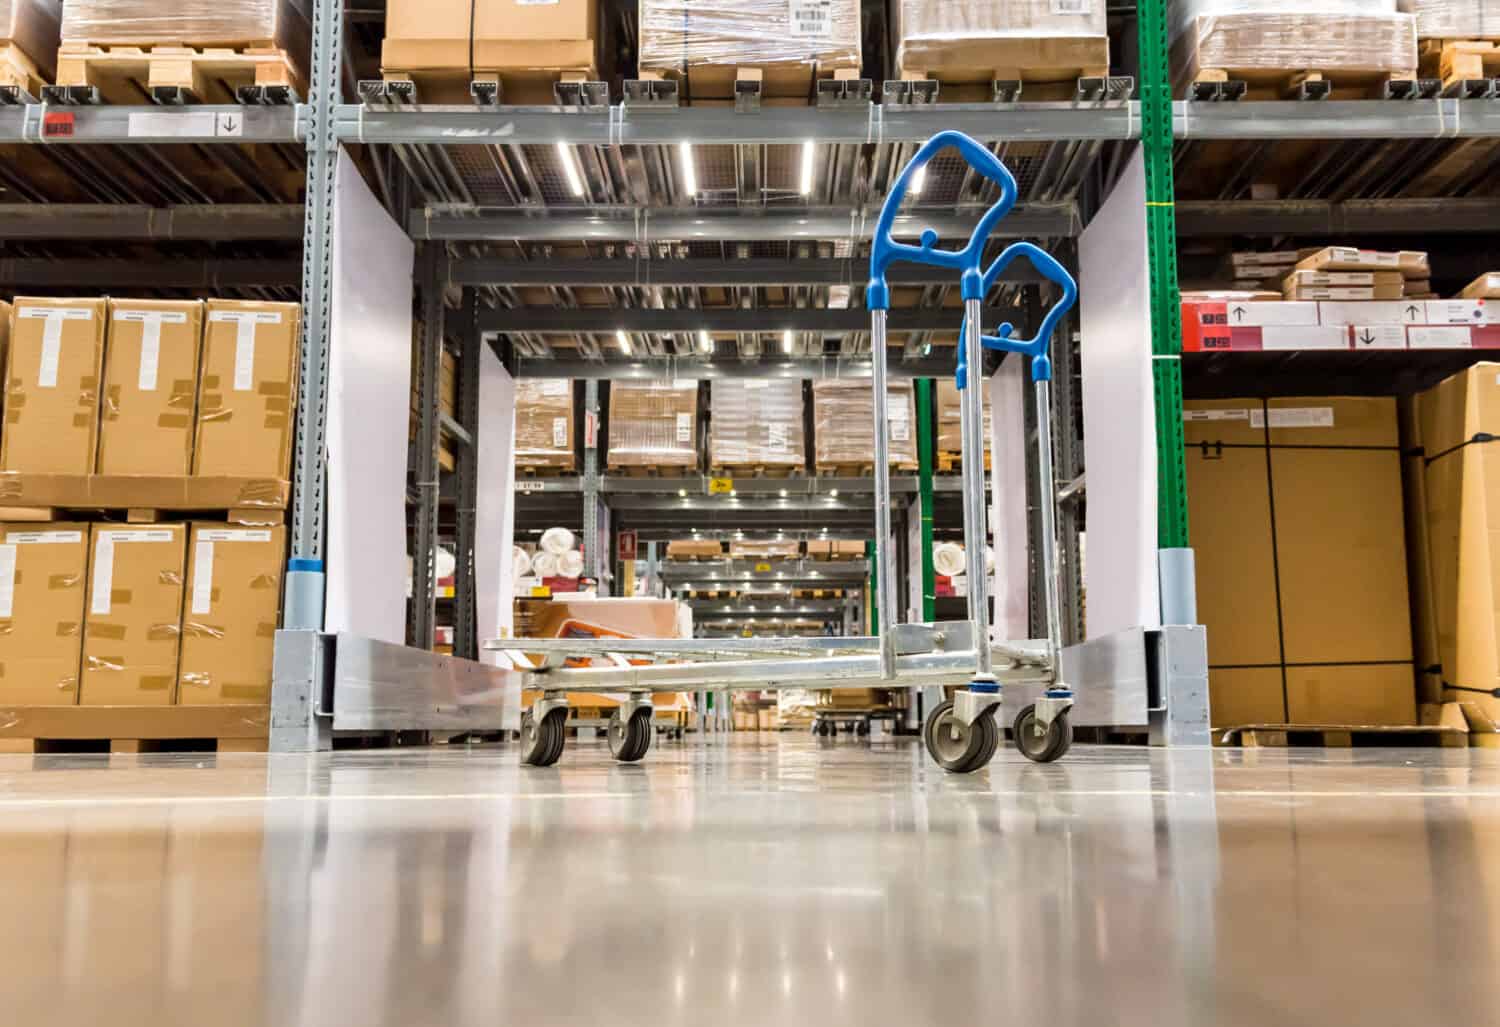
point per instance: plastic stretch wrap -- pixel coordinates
(653, 424)
(1454, 19)
(33, 26)
(557, 541)
(947, 34)
(844, 422)
(679, 34)
(544, 423)
(756, 423)
(950, 418)
(188, 21)
(1284, 35)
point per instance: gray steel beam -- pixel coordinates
(1333, 219)
(1336, 119)
(465, 587)
(698, 370)
(217, 222)
(197, 124)
(643, 224)
(178, 273)
(695, 272)
(559, 321)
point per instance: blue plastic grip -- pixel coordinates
(885, 250)
(1035, 347)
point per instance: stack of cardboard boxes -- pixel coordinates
(142, 406)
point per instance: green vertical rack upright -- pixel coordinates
(925, 460)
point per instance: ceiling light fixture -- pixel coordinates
(809, 154)
(689, 176)
(570, 168)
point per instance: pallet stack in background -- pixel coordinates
(755, 428)
(126, 422)
(950, 442)
(653, 427)
(544, 426)
(844, 426)
(29, 34)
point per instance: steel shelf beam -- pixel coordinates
(196, 124)
(562, 321)
(644, 225)
(1330, 219)
(126, 222)
(698, 369)
(712, 607)
(668, 273)
(179, 273)
(717, 573)
(1336, 119)
(698, 485)
(621, 125)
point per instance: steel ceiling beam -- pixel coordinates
(669, 273)
(699, 369)
(177, 273)
(1333, 219)
(560, 321)
(215, 222)
(645, 225)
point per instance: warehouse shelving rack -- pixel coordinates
(76, 245)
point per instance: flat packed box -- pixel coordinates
(1296, 506)
(1411, 263)
(150, 386)
(1309, 293)
(254, 498)
(653, 424)
(282, 24)
(33, 26)
(694, 549)
(1485, 287)
(605, 617)
(42, 585)
(1343, 279)
(1270, 260)
(544, 423)
(5, 316)
(1366, 312)
(1271, 41)
(133, 625)
(751, 550)
(247, 394)
(950, 418)
(230, 612)
(1455, 19)
(509, 35)
(1458, 312)
(53, 366)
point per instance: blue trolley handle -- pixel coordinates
(885, 250)
(1036, 347)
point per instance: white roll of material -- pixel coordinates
(989, 559)
(520, 562)
(948, 559)
(558, 541)
(570, 564)
(544, 565)
(445, 563)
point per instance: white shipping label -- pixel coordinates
(1428, 337)
(172, 124)
(1216, 415)
(244, 356)
(810, 19)
(900, 428)
(7, 579)
(559, 432)
(46, 376)
(1072, 6)
(553, 387)
(43, 537)
(1324, 337)
(684, 427)
(203, 577)
(150, 322)
(777, 436)
(1379, 337)
(235, 535)
(138, 535)
(1294, 417)
(104, 575)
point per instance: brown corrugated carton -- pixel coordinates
(742, 549)
(694, 549)
(230, 610)
(544, 423)
(42, 585)
(982, 40)
(5, 314)
(844, 423)
(53, 366)
(33, 26)
(133, 625)
(1411, 263)
(1457, 419)
(247, 393)
(150, 386)
(950, 419)
(653, 424)
(1485, 287)
(1296, 508)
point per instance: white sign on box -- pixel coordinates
(150, 322)
(1239, 414)
(1379, 337)
(46, 376)
(104, 562)
(1322, 337)
(810, 19)
(1440, 337)
(244, 341)
(1457, 312)
(684, 427)
(1370, 312)
(1293, 417)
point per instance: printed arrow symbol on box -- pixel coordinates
(1367, 338)
(1239, 313)
(1411, 311)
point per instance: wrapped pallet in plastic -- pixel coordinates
(1001, 38)
(653, 424)
(756, 423)
(772, 549)
(844, 423)
(704, 43)
(1454, 19)
(544, 423)
(1357, 36)
(32, 26)
(950, 419)
(282, 23)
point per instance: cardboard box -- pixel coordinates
(1379, 292)
(1485, 287)
(653, 424)
(694, 549)
(1457, 312)
(544, 423)
(279, 23)
(42, 585)
(498, 35)
(755, 423)
(844, 423)
(34, 26)
(150, 386)
(1411, 263)
(247, 394)
(1278, 315)
(1393, 312)
(950, 419)
(231, 607)
(1463, 531)
(848, 548)
(53, 366)
(768, 550)
(1296, 507)
(133, 624)
(5, 315)
(258, 500)
(1343, 279)
(1251, 260)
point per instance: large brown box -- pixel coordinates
(1264, 46)
(53, 367)
(1457, 418)
(230, 610)
(42, 585)
(982, 40)
(653, 424)
(133, 625)
(694, 549)
(33, 26)
(544, 423)
(950, 438)
(4, 335)
(1296, 508)
(844, 423)
(247, 393)
(150, 386)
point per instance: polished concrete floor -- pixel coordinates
(766, 880)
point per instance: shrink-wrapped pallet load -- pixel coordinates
(653, 424)
(756, 423)
(982, 40)
(844, 424)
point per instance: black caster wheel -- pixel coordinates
(628, 742)
(1038, 745)
(862, 729)
(958, 747)
(542, 742)
(821, 729)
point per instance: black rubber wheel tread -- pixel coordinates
(1058, 740)
(645, 729)
(557, 723)
(535, 744)
(965, 762)
(992, 736)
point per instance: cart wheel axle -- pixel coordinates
(629, 741)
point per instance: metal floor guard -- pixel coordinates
(961, 734)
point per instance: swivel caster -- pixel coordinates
(629, 740)
(862, 729)
(958, 747)
(1042, 746)
(542, 741)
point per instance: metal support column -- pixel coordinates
(1068, 429)
(465, 628)
(594, 558)
(424, 572)
(305, 569)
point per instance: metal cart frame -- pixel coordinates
(961, 733)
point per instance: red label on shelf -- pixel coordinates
(1205, 327)
(56, 124)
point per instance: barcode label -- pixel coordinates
(1216, 415)
(559, 432)
(776, 435)
(1294, 417)
(811, 19)
(1072, 6)
(684, 427)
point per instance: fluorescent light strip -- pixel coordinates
(705, 342)
(570, 168)
(809, 153)
(918, 180)
(624, 342)
(786, 341)
(689, 175)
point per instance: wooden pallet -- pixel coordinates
(1465, 67)
(757, 471)
(506, 85)
(653, 471)
(853, 470)
(952, 463)
(1296, 84)
(1029, 68)
(1343, 736)
(19, 72)
(544, 471)
(784, 84)
(134, 75)
(128, 729)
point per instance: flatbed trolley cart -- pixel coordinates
(854, 721)
(961, 733)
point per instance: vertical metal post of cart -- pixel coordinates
(885, 571)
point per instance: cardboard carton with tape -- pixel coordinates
(133, 624)
(230, 609)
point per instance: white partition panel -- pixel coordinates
(369, 396)
(495, 520)
(1119, 420)
(1009, 392)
